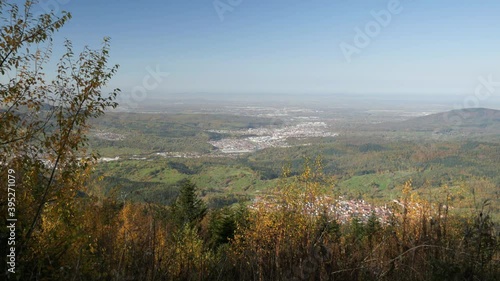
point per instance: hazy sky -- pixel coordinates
(289, 46)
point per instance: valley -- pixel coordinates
(237, 154)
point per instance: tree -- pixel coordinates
(188, 208)
(44, 121)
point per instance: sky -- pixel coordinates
(375, 47)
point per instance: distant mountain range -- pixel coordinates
(462, 121)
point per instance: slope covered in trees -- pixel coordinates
(468, 121)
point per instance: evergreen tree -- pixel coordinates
(188, 207)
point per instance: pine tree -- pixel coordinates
(188, 207)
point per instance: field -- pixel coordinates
(156, 150)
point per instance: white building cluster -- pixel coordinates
(261, 138)
(343, 211)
